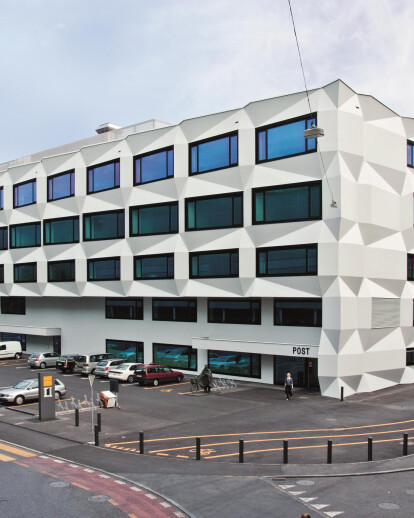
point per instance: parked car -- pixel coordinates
(86, 364)
(102, 369)
(123, 372)
(66, 363)
(42, 360)
(155, 374)
(10, 350)
(27, 390)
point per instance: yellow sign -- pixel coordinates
(47, 381)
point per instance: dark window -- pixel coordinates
(223, 263)
(1, 273)
(284, 139)
(410, 267)
(14, 337)
(293, 202)
(214, 153)
(103, 225)
(409, 357)
(4, 238)
(206, 212)
(130, 352)
(175, 310)
(24, 194)
(298, 312)
(154, 267)
(107, 269)
(161, 218)
(287, 260)
(103, 177)
(175, 356)
(410, 153)
(62, 230)
(234, 311)
(26, 272)
(22, 236)
(61, 185)
(124, 308)
(61, 271)
(234, 363)
(1, 198)
(13, 306)
(154, 166)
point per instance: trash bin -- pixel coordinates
(107, 399)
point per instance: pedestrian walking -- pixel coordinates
(288, 386)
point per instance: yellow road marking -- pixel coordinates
(6, 458)
(113, 502)
(164, 386)
(267, 433)
(183, 456)
(16, 451)
(132, 516)
(50, 474)
(281, 438)
(80, 485)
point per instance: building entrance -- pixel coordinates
(304, 371)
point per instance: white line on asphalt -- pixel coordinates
(150, 496)
(135, 488)
(164, 504)
(58, 461)
(120, 482)
(73, 465)
(89, 470)
(104, 476)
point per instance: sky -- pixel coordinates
(68, 66)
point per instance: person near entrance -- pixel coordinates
(288, 386)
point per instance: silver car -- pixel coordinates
(42, 360)
(102, 369)
(27, 390)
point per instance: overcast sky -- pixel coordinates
(68, 66)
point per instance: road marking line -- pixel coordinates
(164, 454)
(320, 506)
(183, 456)
(164, 504)
(59, 461)
(307, 500)
(49, 474)
(5, 458)
(332, 514)
(113, 502)
(81, 486)
(296, 493)
(134, 488)
(120, 482)
(165, 386)
(104, 476)
(148, 495)
(16, 451)
(177, 513)
(73, 465)
(43, 457)
(89, 470)
(132, 516)
(286, 486)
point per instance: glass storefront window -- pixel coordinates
(234, 363)
(13, 337)
(125, 350)
(304, 371)
(175, 356)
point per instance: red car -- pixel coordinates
(155, 374)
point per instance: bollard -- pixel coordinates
(342, 393)
(141, 443)
(76, 416)
(241, 451)
(96, 435)
(329, 461)
(369, 448)
(405, 444)
(198, 448)
(285, 452)
(99, 416)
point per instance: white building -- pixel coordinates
(254, 271)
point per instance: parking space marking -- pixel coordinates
(16, 451)
(6, 458)
(165, 386)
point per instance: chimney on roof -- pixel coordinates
(108, 126)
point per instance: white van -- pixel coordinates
(10, 350)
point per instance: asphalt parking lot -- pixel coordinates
(172, 417)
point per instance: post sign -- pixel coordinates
(46, 397)
(47, 381)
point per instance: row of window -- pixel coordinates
(298, 202)
(281, 140)
(270, 262)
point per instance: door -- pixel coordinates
(57, 345)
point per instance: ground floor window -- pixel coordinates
(13, 337)
(304, 371)
(175, 356)
(129, 351)
(234, 363)
(410, 357)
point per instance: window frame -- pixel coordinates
(46, 221)
(235, 353)
(34, 193)
(102, 164)
(70, 172)
(137, 208)
(267, 127)
(51, 263)
(191, 145)
(139, 311)
(410, 144)
(100, 213)
(233, 299)
(101, 259)
(282, 188)
(37, 224)
(139, 347)
(1, 273)
(410, 259)
(175, 299)
(215, 252)
(4, 240)
(17, 265)
(149, 153)
(297, 299)
(151, 256)
(190, 350)
(307, 246)
(21, 301)
(1, 197)
(213, 197)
